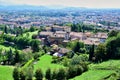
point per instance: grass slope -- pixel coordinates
(105, 64)
(30, 34)
(99, 71)
(94, 75)
(45, 62)
(6, 72)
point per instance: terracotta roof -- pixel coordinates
(63, 50)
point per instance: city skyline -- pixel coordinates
(68, 3)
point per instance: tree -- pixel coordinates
(22, 75)
(113, 47)
(61, 75)
(76, 47)
(48, 74)
(72, 72)
(1, 38)
(5, 30)
(20, 30)
(17, 56)
(113, 33)
(10, 56)
(79, 69)
(32, 28)
(35, 45)
(16, 74)
(39, 74)
(34, 36)
(100, 52)
(29, 72)
(54, 75)
(91, 52)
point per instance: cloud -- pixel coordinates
(76, 3)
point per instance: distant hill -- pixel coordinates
(29, 7)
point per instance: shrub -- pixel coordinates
(77, 59)
(61, 75)
(29, 73)
(22, 75)
(71, 72)
(16, 74)
(39, 74)
(65, 61)
(48, 74)
(79, 69)
(84, 66)
(54, 75)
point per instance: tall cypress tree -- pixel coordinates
(91, 52)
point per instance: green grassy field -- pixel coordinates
(109, 63)
(6, 72)
(95, 72)
(45, 62)
(30, 34)
(94, 75)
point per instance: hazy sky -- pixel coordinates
(74, 3)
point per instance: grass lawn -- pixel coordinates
(94, 72)
(109, 63)
(30, 34)
(6, 72)
(93, 75)
(45, 62)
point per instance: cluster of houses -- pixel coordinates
(63, 34)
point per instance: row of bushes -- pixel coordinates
(61, 74)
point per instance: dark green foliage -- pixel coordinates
(65, 61)
(32, 28)
(100, 52)
(1, 38)
(54, 74)
(79, 70)
(82, 27)
(17, 57)
(34, 36)
(16, 74)
(56, 59)
(113, 33)
(72, 72)
(10, 56)
(39, 74)
(22, 75)
(76, 60)
(48, 74)
(35, 45)
(77, 46)
(91, 52)
(36, 56)
(84, 66)
(70, 54)
(113, 47)
(29, 72)
(23, 42)
(61, 75)
(5, 30)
